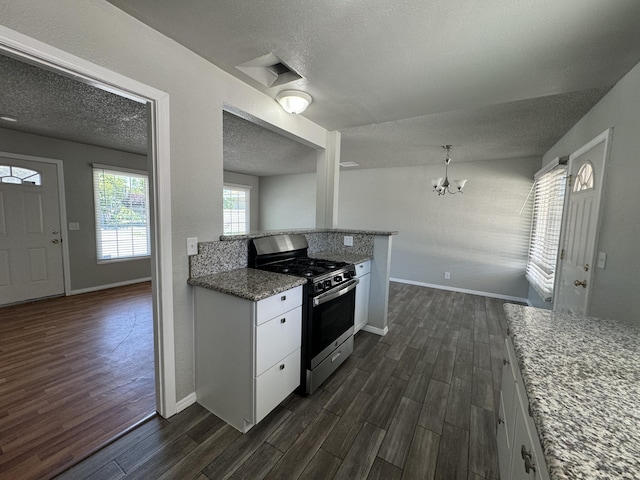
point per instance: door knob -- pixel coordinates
(579, 283)
(54, 232)
(55, 240)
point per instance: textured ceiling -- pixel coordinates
(53, 105)
(266, 152)
(498, 79)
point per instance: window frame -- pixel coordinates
(123, 172)
(246, 189)
(550, 186)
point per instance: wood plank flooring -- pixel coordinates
(419, 403)
(74, 372)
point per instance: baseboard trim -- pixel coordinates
(378, 331)
(110, 285)
(186, 402)
(461, 290)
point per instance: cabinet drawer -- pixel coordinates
(363, 268)
(277, 338)
(274, 385)
(278, 304)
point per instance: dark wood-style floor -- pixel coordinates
(419, 403)
(74, 372)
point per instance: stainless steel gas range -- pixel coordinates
(328, 303)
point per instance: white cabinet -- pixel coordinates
(247, 353)
(520, 454)
(363, 273)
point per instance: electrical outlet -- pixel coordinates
(348, 241)
(74, 226)
(192, 246)
(447, 275)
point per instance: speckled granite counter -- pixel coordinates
(341, 256)
(248, 283)
(582, 377)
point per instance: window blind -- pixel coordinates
(548, 205)
(122, 214)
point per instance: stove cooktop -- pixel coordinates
(305, 267)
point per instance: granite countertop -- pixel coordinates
(341, 256)
(582, 378)
(269, 233)
(248, 283)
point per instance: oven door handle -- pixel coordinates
(327, 297)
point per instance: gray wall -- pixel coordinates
(615, 289)
(254, 196)
(78, 181)
(288, 201)
(479, 236)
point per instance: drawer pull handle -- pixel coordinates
(528, 463)
(335, 357)
(500, 421)
(283, 320)
(282, 367)
(505, 361)
(283, 298)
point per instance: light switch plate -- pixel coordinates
(348, 241)
(74, 226)
(192, 246)
(602, 259)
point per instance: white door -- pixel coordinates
(577, 255)
(30, 239)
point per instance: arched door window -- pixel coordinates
(19, 175)
(584, 178)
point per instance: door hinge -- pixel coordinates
(562, 254)
(570, 180)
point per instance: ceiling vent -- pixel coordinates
(269, 70)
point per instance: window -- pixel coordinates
(236, 209)
(545, 231)
(19, 175)
(584, 178)
(122, 213)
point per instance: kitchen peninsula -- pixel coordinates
(230, 255)
(581, 380)
(285, 323)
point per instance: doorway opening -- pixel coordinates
(159, 291)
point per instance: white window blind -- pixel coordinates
(236, 209)
(122, 213)
(545, 231)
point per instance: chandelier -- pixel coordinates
(442, 185)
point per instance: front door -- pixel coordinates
(30, 238)
(577, 255)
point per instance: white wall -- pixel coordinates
(254, 195)
(615, 289)
(478, 236)
(78, 181)
(100, 33)
(288, 201)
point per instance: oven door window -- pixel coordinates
(330, 320)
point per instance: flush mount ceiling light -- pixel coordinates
(294, 101)
(442, 186)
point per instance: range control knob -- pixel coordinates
(337, 278)
(319, 287)
(327, 283)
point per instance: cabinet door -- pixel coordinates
(361, 313)
(522, 443)
(277, 338)
(274, 385)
